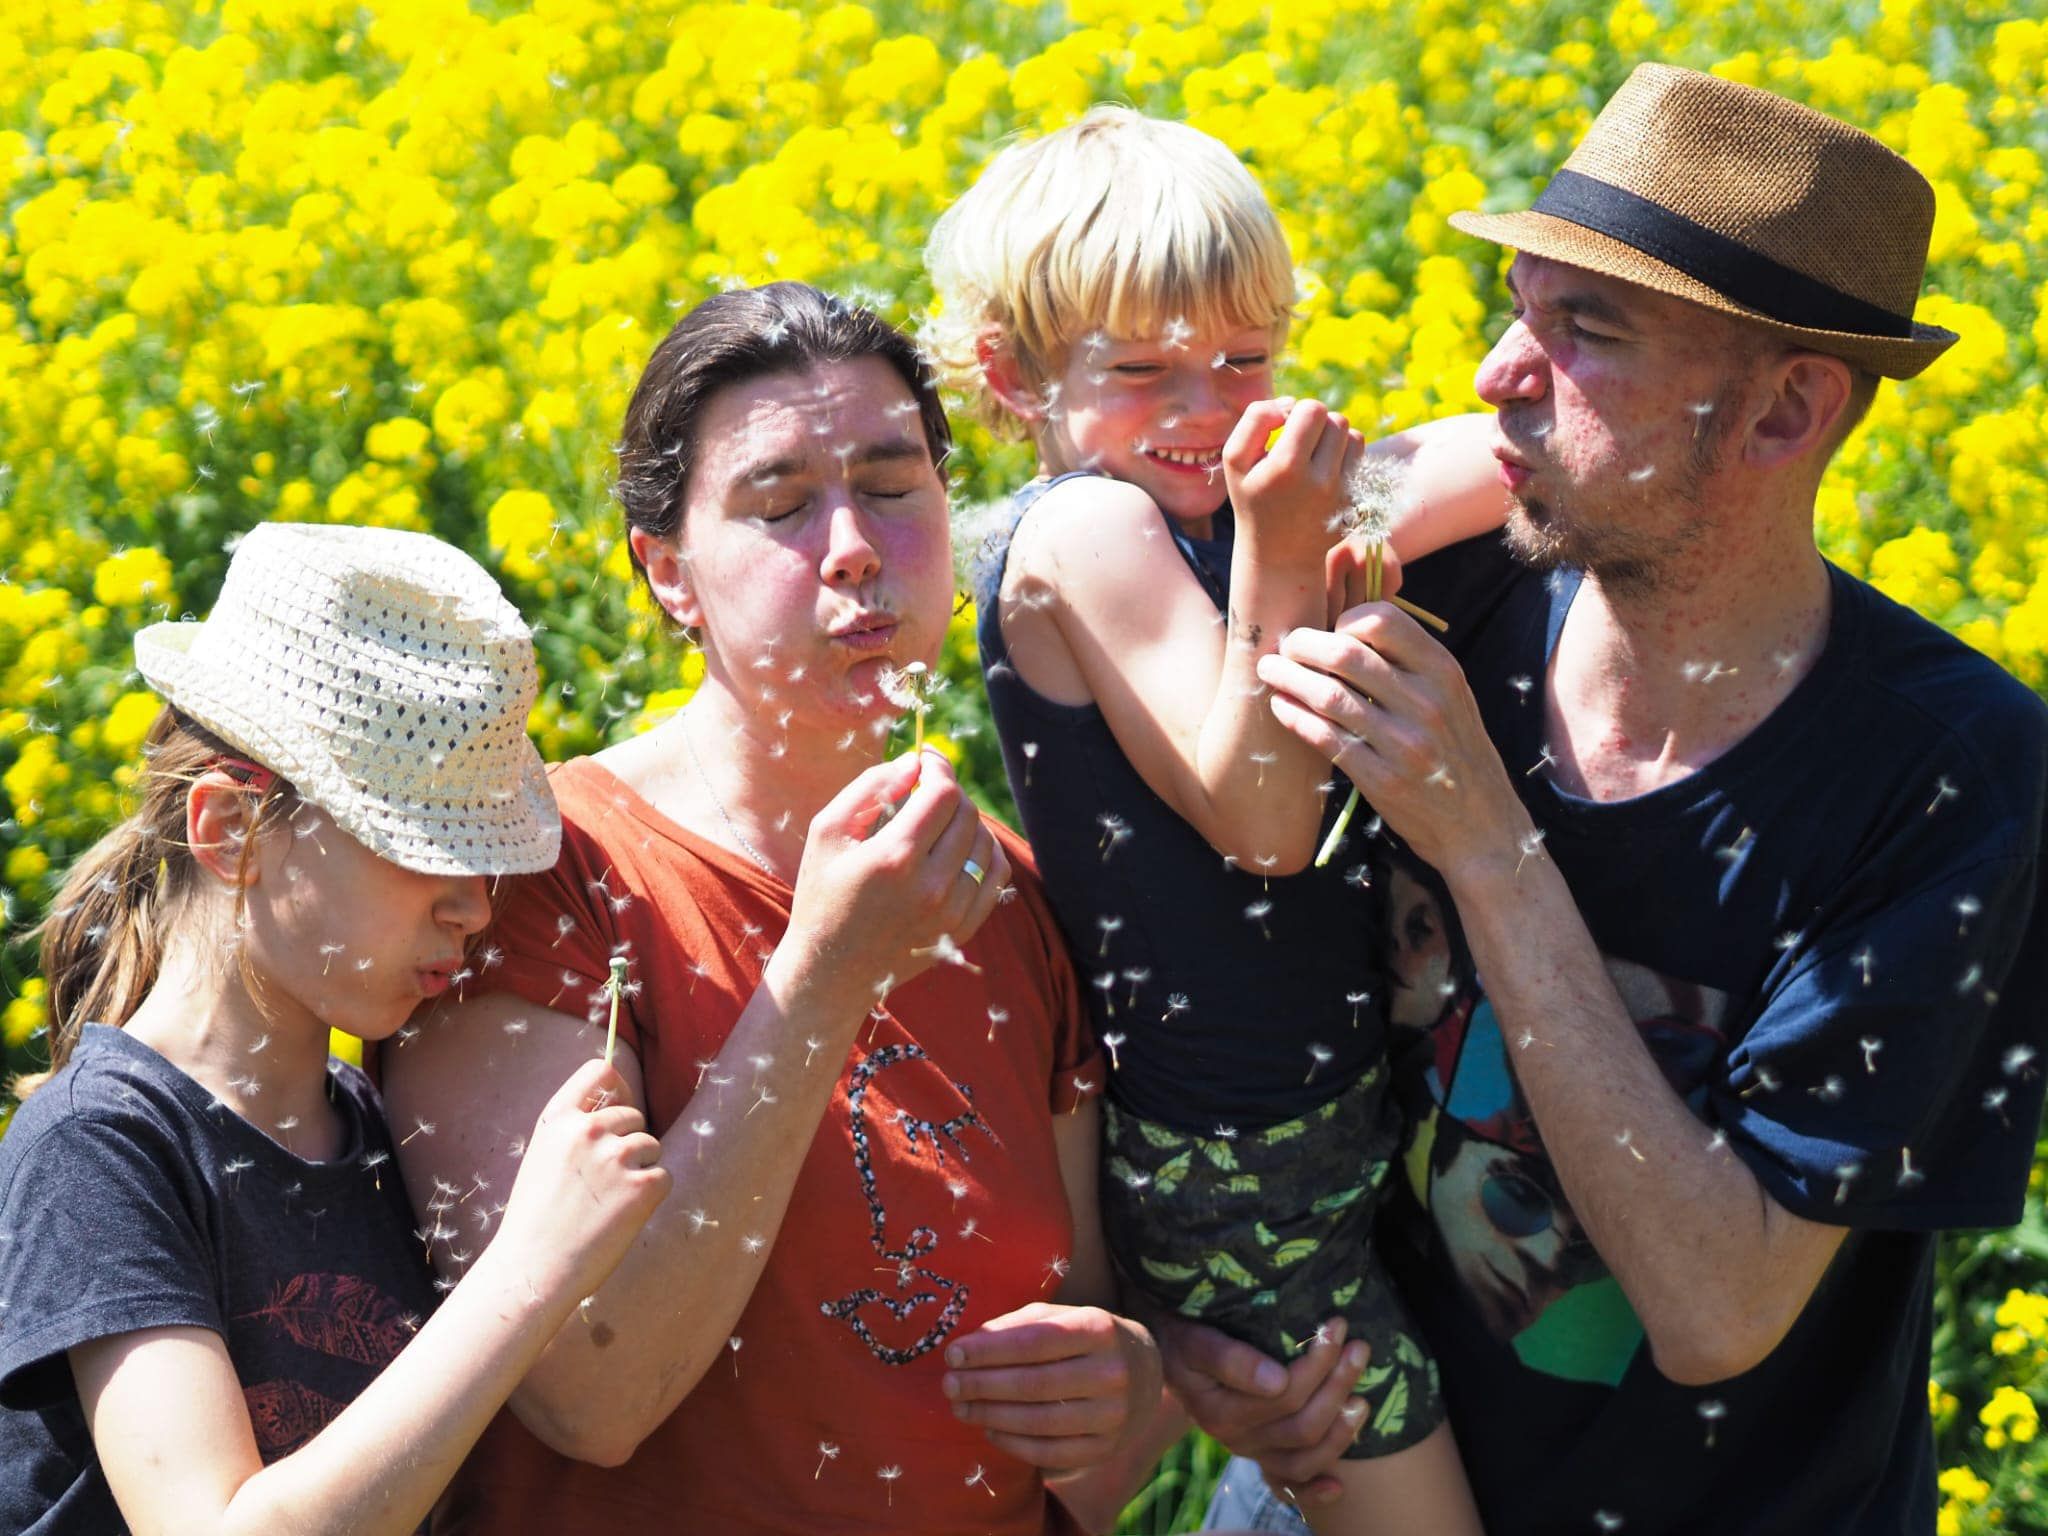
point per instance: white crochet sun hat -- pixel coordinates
(385, 675)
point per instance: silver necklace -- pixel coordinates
(690, 745)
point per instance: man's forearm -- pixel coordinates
(1716, 1270)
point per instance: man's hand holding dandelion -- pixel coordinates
(1381, 699)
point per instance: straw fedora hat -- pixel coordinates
(385, 675)
(1747, 203)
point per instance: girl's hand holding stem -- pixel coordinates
(589, 1180)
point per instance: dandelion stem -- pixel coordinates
(617, 987)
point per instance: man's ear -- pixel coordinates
(219, 814)
(1809, 393)
(1004, 375)
(668, 575)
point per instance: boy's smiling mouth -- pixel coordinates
(1207, 460)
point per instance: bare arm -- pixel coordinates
(171, 1428)
(1715, 1268)
(1453, 483)
(1099, 607)
(1071, 1386)
(623, 1362)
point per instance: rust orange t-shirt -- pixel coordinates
(929, 1203)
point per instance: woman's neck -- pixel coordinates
(743, 776)
(270, 1070)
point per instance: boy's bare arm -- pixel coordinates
(1100, 608)
(1453, 485)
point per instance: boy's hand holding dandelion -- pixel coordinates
(1287, 497)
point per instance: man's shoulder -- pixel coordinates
(1942, 706)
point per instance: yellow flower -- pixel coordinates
(521, 524)
(1918, 569)
(397, 439)
(1963, 1485)
(23, 1016)
(130, 719)
(2010, 1414)
(26, 865)
(133, 577)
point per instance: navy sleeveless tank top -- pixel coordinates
(1231, 999)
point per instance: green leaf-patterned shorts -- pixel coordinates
(1268, 1234)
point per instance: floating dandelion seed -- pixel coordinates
(1966, 907)
(1607, 1520)
(1829, 1091)
(1943, 790)
(1264, 760)
(1115, 830)
(1109, 925)
(1627, 1142)
(1056, 1268)
(733, 1344)
(1908, 1174)
(1847, 1174)
(1319, 1056)
(1105, 983)
(1870, 1046)
(1713, 1411)
(420, 1128)
(2018, 1061)
(947, 952)
(1863, 960)
(1176, 1002)
(1531, 845)
(1547, 759)
(1030, 749)
(996, 1016)
(827, 1451)
(1137, 976)
(1110, 1043)
(1258, 912)
(981, 1477)
(888, 1475)
(1357, 1000)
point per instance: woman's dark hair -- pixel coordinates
(748, 333)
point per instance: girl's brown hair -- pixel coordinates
(103, 942)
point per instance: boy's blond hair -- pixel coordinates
(1118, 223)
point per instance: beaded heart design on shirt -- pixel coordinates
(923, 1240)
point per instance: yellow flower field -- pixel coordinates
(399, 262)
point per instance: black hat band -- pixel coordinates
(1748, 277)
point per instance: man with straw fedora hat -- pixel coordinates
(1717, 908)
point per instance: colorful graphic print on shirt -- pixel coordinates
(1476, 1162)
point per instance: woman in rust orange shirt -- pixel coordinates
(846, 1011)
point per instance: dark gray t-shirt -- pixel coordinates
(131, 1198)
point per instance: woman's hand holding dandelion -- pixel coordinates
(881, 898)
(1055, 1386)
(589, 1180)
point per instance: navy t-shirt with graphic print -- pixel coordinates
(1834, 941)
(131, 1198)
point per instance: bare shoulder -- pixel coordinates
(1086, 524)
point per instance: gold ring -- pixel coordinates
(974, 871)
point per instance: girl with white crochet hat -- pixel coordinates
(215, 1310)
